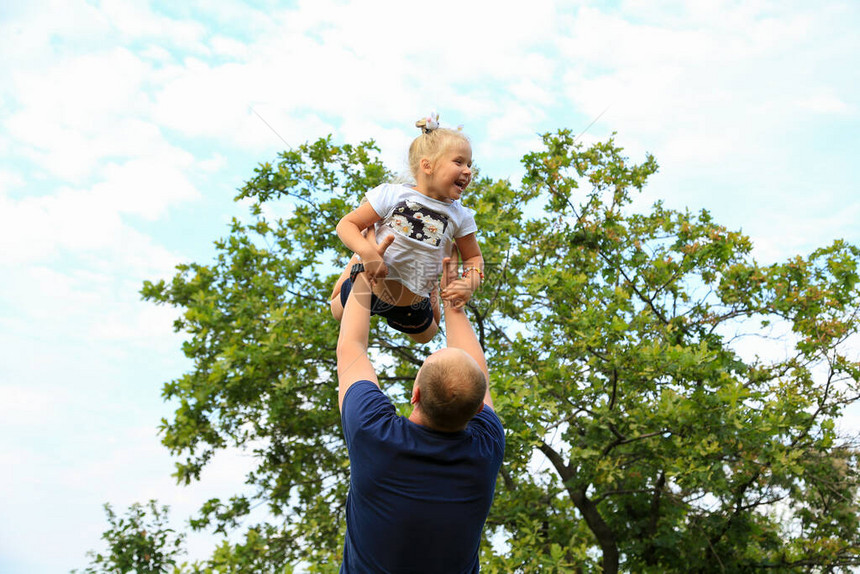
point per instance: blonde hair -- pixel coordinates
(431, 144)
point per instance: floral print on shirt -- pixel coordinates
(418, 222)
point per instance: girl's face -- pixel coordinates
(451, 173)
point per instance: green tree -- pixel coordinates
(140, 542)
(645, 434)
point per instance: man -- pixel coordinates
(420, 486)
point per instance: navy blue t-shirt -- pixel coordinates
(418, 498)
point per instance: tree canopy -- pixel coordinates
(646, 429)
(141, 542)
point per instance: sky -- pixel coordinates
(127, 127)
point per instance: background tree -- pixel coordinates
(141, 542)
(645, 432)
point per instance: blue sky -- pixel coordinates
(126, 127)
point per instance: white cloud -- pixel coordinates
(825, 102)
(136, 20)
(28, 27)
(10, 180)
(145, 186)
(268, 125)
(530, 90)
(363, 69)
(100, 309)
(708, 78)
(215, 163)
(139, 323)
(23, 406)
(202, 101)
(76, 221)
(824, 218)
(229, 47)
(67, 114)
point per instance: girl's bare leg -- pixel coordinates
(426, 335)
(334, 303)
(434, 303)
(334, 300)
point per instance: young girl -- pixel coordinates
(423, 220)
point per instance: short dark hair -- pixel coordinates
(451, 392)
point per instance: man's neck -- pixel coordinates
(417, 417)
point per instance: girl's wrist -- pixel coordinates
(474, 277)
(367, 253)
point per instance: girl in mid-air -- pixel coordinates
(423, 219)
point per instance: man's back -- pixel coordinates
(418, 498)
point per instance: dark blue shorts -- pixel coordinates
(411, 319)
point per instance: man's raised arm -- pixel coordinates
(458, 330)
(353, 364)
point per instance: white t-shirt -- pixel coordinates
(424, 229)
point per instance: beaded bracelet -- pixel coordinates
(467, 270)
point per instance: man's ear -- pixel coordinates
(416, 395)
(480, 408)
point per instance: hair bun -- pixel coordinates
(429, 123)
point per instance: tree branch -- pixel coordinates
(604, 535)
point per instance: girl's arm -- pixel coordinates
(349, 230)
(459, 291)
(470, 252)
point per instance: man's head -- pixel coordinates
(449, 389)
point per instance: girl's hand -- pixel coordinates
(375, 268)
(456, 291)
